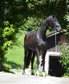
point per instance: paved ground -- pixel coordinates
(8, 78)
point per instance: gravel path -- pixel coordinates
(8, 78)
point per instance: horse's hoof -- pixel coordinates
(23, 73)
(43, 74)
(32, 73)
(37, 73)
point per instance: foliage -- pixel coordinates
(7, 35)
(18, 11)
(67, 26)
(31, 24)
(65, 58)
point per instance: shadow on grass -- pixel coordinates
(13, 65)
(10, 65)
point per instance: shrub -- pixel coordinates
(7, 35)
(65, 58)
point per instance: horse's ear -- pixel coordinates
(53, 16)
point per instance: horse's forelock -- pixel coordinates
(52, 17)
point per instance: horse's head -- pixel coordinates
(52, 22)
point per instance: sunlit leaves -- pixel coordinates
(65, 58)
(8, 35)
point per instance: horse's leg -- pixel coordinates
(39, 59)
(25, 60)
(32, 62)
(43, 64)
(31, 58)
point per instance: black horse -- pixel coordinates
(35, 43)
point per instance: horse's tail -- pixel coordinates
(28, 53)
(28, 59)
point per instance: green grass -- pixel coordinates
(14, 56)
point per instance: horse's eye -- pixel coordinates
(56, 25)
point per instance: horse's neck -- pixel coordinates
(42, 31)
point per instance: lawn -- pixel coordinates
(14, 56)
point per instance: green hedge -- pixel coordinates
(65, 58)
